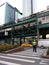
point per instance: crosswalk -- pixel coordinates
(29, 53)
(22, 58)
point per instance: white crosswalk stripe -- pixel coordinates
(44, 61)
(21, 56)
(8, 63)
(19, 59)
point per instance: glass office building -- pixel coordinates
(8, 14)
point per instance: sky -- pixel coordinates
(42, 5)
(39, 4)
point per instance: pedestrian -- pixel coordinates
(34, 43)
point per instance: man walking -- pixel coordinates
(34, 43)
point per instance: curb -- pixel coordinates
(47, 56)
(14, 50)
(44, 55)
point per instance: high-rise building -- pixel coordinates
(8, 14)
(29, 7)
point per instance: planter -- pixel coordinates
(14, 50)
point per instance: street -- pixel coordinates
(22, 58)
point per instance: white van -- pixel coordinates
(43, 42)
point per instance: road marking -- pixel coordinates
(28, 54)
(23, 56)
(21, 53)
(8, 63)
(31, 61)
(44, 61)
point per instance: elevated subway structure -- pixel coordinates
(24, 27)
(33, 25)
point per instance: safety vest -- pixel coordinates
(34, 43)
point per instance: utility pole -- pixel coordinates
(37, 28)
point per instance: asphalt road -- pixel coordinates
(22, 58)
